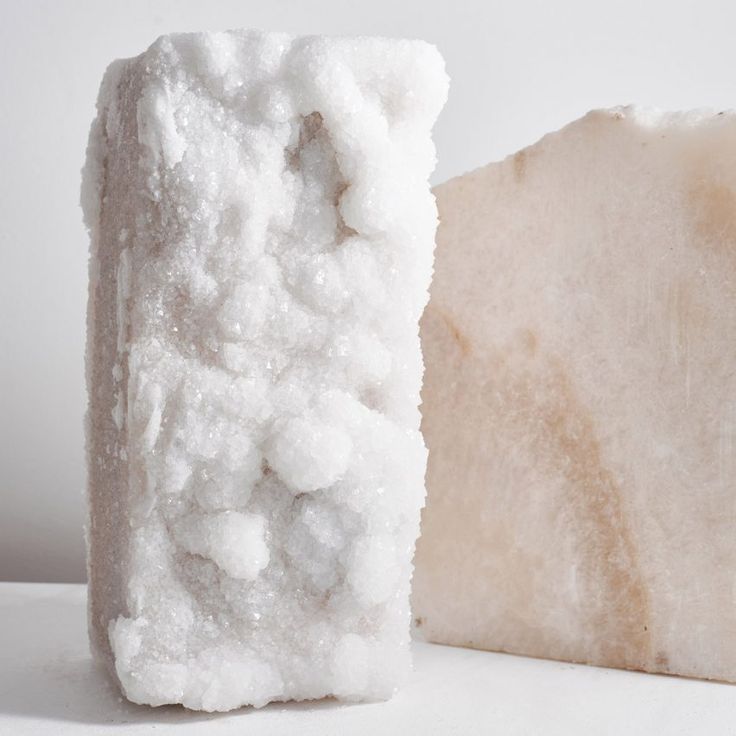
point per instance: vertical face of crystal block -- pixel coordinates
(580, 399)
(262, 243)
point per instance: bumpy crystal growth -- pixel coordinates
(580, 396)
(262, 242)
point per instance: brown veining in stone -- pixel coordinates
(457, 334)
(527, 396)
(592, 492)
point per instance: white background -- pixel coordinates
(519, 69)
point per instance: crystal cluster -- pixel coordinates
(580, 399)
(262, 243)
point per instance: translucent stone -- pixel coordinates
(580, 399)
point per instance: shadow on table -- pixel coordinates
(41, 683)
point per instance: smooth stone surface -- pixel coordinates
(580, 399)
(50, 685)
(262, 235)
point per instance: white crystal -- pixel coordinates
(234, 541)
(262, 234)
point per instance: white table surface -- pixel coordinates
(48, 685)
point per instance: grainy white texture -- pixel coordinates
(580, 399)
(262, 242)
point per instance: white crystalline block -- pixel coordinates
(262, 239)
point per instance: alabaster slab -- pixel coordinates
(262, 240)
(580, 399)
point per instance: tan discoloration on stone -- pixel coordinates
(457, 335)
(608, 553)
(528, 339)
(519, 160)
(714, 206)
(530, 401)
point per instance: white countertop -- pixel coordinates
(49, 686)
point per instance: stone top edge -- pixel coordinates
(642, 117)
(649, 116)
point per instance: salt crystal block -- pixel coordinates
(580, 399)
(262, 243)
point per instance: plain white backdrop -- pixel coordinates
(519, 69)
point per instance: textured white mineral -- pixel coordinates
(262, 242)
(580, 399)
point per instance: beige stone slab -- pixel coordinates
(580, 397)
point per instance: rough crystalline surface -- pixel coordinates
(580, 399)
(262, 241)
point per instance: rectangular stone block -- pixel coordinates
(262, 241)
(580, 399)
